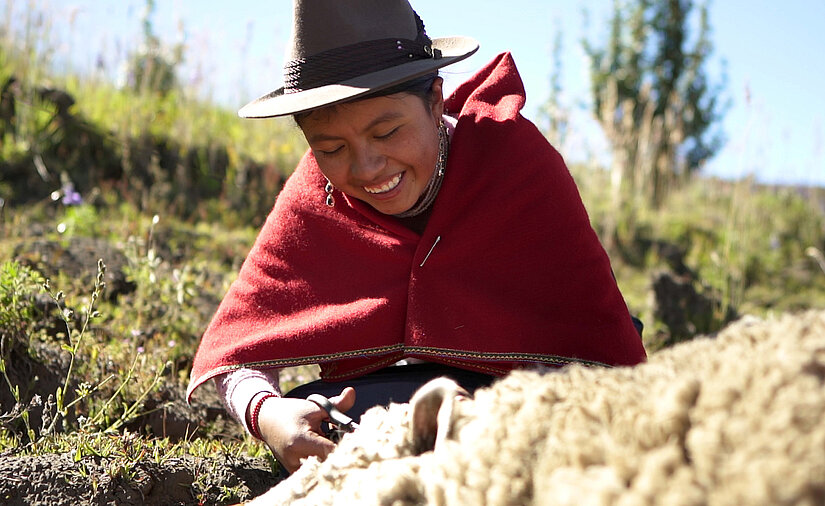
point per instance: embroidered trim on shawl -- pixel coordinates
(327, 375)
(475, 366)
(503, 357)
(444, 354)
(290, 362)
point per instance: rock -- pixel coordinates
(683, 309)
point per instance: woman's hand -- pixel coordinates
(292, 427)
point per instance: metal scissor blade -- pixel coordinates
(342, 421)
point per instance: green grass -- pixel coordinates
(124, 351)
(750, 245)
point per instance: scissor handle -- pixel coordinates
(338, 418)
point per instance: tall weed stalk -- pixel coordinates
(75, 338)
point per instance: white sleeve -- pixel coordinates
(237, 388)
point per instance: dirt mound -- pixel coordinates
(59, 480)
(167, 414)
(77, 258)
(37, 370)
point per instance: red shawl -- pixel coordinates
(507, 273)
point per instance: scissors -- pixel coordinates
(342, 422)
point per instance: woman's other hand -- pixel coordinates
(292, 427)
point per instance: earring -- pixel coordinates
(443, 148)
(328, 188)
(431, 190)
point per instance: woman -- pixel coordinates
(414, 229)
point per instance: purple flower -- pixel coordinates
(72, 199)
(70, 196)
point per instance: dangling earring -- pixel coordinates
(328, 188)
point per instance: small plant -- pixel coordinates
(77, 403)
(79, 220)
(75, 338)
(163, 296)
(129, 411)
(17, 286)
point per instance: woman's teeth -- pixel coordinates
(389, 185)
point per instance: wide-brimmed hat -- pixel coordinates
(341, 49)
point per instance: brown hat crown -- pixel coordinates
(341, 49)
(320, 25)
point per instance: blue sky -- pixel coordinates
(776, 80)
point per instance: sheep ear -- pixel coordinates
(432, 412)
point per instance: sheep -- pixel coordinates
(735, 419)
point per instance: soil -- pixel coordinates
(77, 258)
(38, 367)
(57, 480)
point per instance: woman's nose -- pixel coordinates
(367, 163)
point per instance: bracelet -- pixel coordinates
(253, 417)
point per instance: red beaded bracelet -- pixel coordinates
(253, 417)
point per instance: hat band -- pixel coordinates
(340, 64)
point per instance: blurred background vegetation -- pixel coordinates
(169, 190)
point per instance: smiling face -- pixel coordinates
(381, 150)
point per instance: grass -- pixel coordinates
(752, 247)
(122, 356)
(120, 350)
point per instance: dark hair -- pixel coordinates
(421, 87)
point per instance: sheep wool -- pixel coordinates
(735, 419)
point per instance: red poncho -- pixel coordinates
(507, 273)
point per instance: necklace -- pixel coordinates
(431, 191)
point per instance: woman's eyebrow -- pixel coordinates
(387, 116)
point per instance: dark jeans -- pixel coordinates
(391, 384)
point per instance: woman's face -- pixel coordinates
(381, 150)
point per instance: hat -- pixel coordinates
(341, 49)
